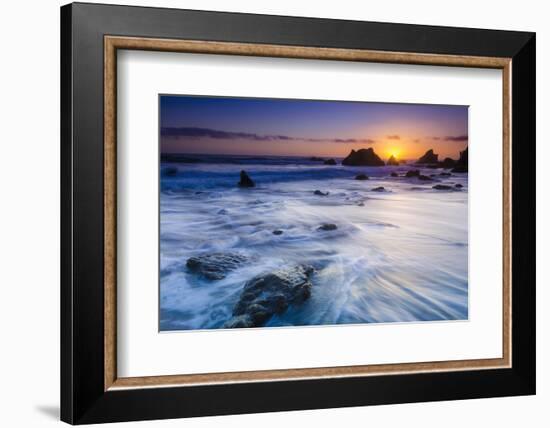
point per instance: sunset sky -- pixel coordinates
(284, 127)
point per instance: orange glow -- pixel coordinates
(393, 151)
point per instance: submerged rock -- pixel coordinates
(459, 186)
(428, 158)
(424, 178)
(363, 157)
(330, 162)
(277, 232)
(215, 266)
(361, 177)
(246, 181)
(412, 173)
(379, 189)
(394, 174)
(441, 187)
(327, 226)
(462, 163)
(445, 174)
(270, 294)
(319, 193)
(392, 161)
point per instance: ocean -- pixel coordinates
(397, 255)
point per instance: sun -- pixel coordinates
(393, 152)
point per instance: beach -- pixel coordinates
(378, 250)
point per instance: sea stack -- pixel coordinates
(245, 181)
(462, 163)
(363, 157)
(392, 161)
(330, 162)
(429, 158)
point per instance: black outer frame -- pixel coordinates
(83, 399)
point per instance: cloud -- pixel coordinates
(192, 132)
(457, 138)
(452, 138)
(393, 137)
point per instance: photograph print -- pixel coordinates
(290, 212)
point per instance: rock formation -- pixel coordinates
(429, 158)
(363, 157)
(215, 266)
(246, 181)
(270, 294)
(462, 163)
(392, 161)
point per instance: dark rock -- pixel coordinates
(379, 189)
(319, 193)
(412, 173)
(169, 171)
(270, 294)
(363, 157)
(459, 186)
(429, 158)
(448, 163)
(330, 162)
(394, 174)
(434, 166)
(424, 178)
(245, 181)
(432, 175)
(327, 226)
(442, 187)
(462, 163)
(223, 211)
(361, 177)
(316, 159)
(215, 266)
(392, 161)
(277, 232)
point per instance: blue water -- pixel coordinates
(397, 256)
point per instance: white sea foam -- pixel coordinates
(396, 256)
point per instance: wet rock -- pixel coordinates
(394, 174)
(441, 187)
(363, 157)
(412, 173)
(459, 186)
(424, 178)
(215, 266)
(428, 158)
(379, 189)
(169, 171)
(319, 193)
(330, 162)
(448, 163)
(327, 226)
(270, 294)
(246, 181)
(361, 177)
(462, 163)
(316, 159)
(392, 161)
(277, 232)
(223, 211)
(445, 174)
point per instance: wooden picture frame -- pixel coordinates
(91, 390)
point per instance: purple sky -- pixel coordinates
(254, 126)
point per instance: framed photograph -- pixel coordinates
(266, 213)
